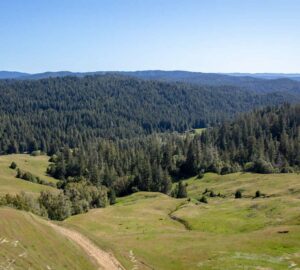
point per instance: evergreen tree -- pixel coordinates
(182, 192)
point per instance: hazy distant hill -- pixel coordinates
(198, 77)
(12, 74)
(294, 76)
(263, 83)
(214, 79)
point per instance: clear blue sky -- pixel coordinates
(196, 35)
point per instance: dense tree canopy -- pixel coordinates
(50, 113)
(263, 141)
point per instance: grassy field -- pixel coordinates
(27, 242)
(35, 165)
(154, 231)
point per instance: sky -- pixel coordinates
(196, 35)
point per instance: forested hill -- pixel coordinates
(261, 83)
(254, 83)
(46, 114)
(263, 141)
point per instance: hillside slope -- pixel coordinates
(70, 111)
(27, 242)
(154, 231)
(35, 165)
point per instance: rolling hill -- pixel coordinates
(35, 165)
(68, 111)
(154, 231)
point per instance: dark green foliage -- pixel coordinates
(112, 196)
(264, 141)
(27, 176)
(200, 175)
(262, 166)
(226, 170)
(203, 199)
(84, 196)
(146, 163)
(180, 190)
(126, 166)
(212, 194)
(13, 165)
(56, 112)
(58, 207)
(287, 169)
(257, 194)
(238, 194)
(24, 202)
(205, 191)
(78, 196)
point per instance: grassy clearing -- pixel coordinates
(198, 130)
(27, 242)
(35, 165)
(226, 233)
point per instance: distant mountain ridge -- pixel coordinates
(12, 74)
(176, 74)
(258, 82)
(293, 76)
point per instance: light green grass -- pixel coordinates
(29, 243)
(35, 165)
(198, 130)
(226, 233)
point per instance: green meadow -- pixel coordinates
(36, 165)
(154, 231)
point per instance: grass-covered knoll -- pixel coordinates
(36, 165)
(249, 183)
(154, 231)
(277, 205)
(27, 242)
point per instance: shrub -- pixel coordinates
(80, 206)
(200, 175)
(24, 202)
(203, 199)
(248, 167)
(112, 196)
(36, 153)
(287, 169)
(13, 165)
(205, 191)
(53, 158)
(212, 194)
(238, 194)
(262, 166)
(135, 189)
(58, 206)
(182, 192)
(226, 170)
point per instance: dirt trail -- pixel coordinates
(104, 260)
